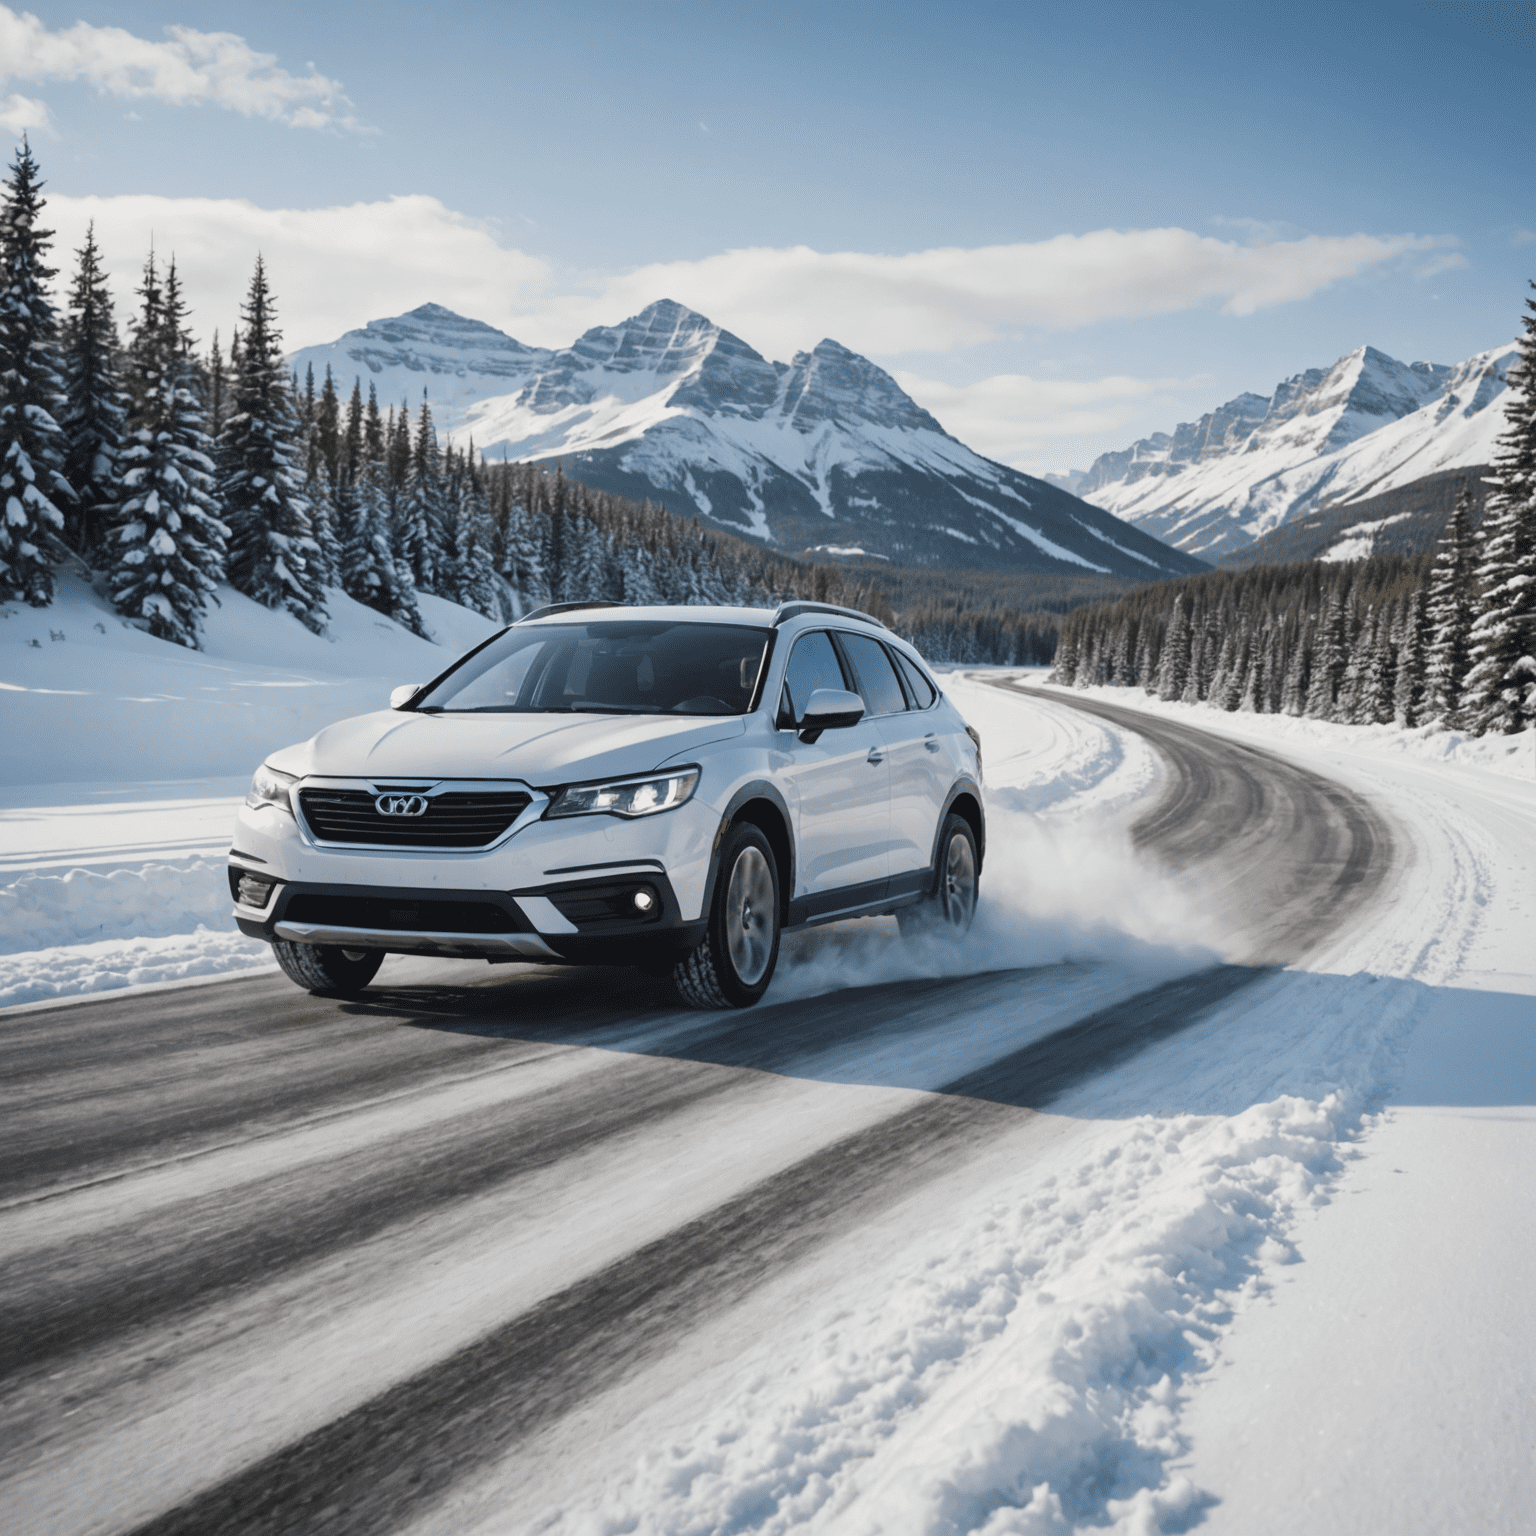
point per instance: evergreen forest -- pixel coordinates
(163, 470)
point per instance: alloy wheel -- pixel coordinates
(750, 918)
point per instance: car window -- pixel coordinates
(612, 666)
(878, 686)
(813, 664)
(922, 690)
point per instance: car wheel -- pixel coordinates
(949, 907)
(326, 970)
(734, 964)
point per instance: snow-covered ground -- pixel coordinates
(123, 757)
(1268, 1275)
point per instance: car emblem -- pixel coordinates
(401, 805)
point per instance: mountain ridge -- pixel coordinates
(1366, 426)
(667, 406)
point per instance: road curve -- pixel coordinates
(198, 1186)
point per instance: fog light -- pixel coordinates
(252, 890)
(644, 901)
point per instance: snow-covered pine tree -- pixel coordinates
(95, 406)
(273, 554)
(1451, 605)
(370, 571)
(1330, 654)
(33, 487)
(1173, 665)
(1501, 685)
(217, 389)
(166, 547)
(1378, 702)
(423, 509)
(1293, 689)
(522, 558)
(1122, 667)
(1412, 663)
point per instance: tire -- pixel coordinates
(951, 905)
(735, 962)
(325, 970)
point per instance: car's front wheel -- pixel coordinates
(951, 904)
(734, 964)
(327, 970)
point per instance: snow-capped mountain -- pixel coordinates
(1329, 436)
(825, 451)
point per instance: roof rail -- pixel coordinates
(549, 608)
(794, 610)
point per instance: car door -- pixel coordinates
(920, 768)
(841, 790)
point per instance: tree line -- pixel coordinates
(167, 470)
(1446, 640)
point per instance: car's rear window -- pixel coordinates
(610, 666)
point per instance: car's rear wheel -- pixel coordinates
(326, 970)
(735, 962)
(950, 906)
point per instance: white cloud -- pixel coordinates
(20, 114)
(1447, 261)
(189, 68)
(331, 268)
(784, 299)
(1523, 237)
(1015, 418)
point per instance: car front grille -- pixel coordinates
(402, 914)
(451, 820)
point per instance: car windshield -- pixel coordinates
(610, 666)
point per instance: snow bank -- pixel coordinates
(41, 910)
(74, 970)
(1514, 756)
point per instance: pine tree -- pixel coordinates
(423, 511)
(273, 553)
(95, 406)
(1173, 665)
(1412, 663)
(1501, 685)
(167, 544)
(1330, 654)
(33, 488)
(370, 570)
(218, 387)
(1298, 670)
(1451, 604)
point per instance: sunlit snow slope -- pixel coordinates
(1365, 426)
(826, 450)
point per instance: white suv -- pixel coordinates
(668, 788)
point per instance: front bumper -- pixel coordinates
(552, 890)
(586, 922)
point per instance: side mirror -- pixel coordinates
(829, 709)
(401, 696)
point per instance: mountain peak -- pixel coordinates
(669, 406)
(1326, 436)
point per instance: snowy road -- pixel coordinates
(463, 1254)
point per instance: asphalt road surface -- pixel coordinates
(270, 1263)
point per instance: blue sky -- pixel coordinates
(966, 192)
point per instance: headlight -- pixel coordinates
(626, 797)
(269, 787)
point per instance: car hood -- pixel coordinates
(541, 750)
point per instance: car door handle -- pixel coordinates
(875, 756)
(931, 742)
